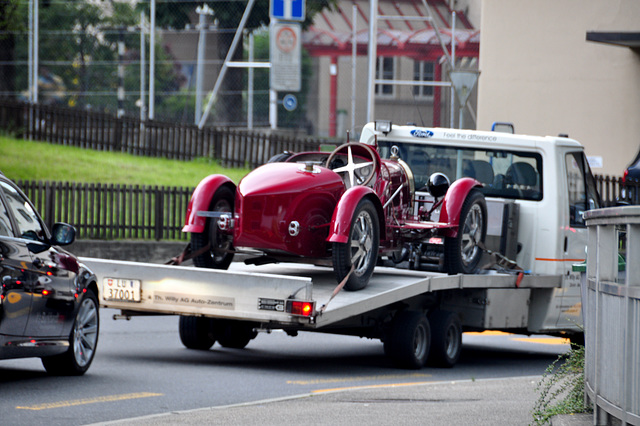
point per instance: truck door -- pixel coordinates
(581, 196)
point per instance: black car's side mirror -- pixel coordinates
(63, 234)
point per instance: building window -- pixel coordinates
(423, 71)
(385, 70)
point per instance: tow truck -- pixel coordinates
(536, 189)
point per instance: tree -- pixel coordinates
(9, 24)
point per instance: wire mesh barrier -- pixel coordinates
(121, 58)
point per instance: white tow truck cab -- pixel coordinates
(536, 190)
(548, 180)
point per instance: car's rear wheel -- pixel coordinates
(220, 253)
(362, 249)
(83, 341)
(463, 252)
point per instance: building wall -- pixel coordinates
(539, 72)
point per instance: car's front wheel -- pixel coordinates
(82, 342)
(361, 251)
(220, 252)
(463, 252)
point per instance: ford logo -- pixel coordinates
(417, 133)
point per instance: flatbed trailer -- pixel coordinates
(247, 298)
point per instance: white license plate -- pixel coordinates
(121, 290)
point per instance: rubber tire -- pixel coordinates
(446, 339)
(453, 258)
(200, 240)
(234, 334)
(342, 251)
(408, 340)
(83, 338)
(196, 332)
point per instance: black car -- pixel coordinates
(48, 300)
(631, 183)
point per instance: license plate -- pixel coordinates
(121, 290)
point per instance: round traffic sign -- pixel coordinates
(289, 102)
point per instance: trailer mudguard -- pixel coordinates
(342, 215)
(453, 201)
(201, 200)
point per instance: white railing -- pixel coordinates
(611, 308)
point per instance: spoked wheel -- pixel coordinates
(83, 341)
(463, 252)
(362, 249)
(408, 340)
(357, 173)
(446, 339)
(220, 253)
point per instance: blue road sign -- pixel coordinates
(288, 10)
(289, 102)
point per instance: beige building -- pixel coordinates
(540, 71)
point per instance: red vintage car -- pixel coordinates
(343, 209)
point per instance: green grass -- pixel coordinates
(29, 160)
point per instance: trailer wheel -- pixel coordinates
(463, 252)
(234, 334)
(446, 339)
(219, 256)
(407, 342)
(196, 332)
(361, 250)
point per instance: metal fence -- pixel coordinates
(611, 309)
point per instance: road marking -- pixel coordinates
(84, 401)
(388, 385)
(357, 379)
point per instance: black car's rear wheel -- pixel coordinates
(220, 253)
(463, 252)
(82, 342)
(362, 249)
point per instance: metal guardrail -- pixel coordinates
(611, 309)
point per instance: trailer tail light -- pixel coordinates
(300, 308)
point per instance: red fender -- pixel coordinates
(201, 200)
(453, 201)
(345, 209)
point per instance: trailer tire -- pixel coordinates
(234, 334)
(196, 332)
(462, 252)
(219, 256)
(363, 246)
(408, 340)
(446, 339)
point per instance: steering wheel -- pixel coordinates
(352, 167)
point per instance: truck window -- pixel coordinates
(505, 174)
(581, 187)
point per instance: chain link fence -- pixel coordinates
(96, 55)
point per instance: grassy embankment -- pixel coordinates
(29, 160)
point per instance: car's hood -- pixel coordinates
(283, 178)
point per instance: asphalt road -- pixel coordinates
(141, 368)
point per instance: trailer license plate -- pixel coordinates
(121, 290)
